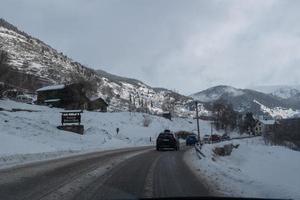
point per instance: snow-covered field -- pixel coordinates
(252, 170)
(29, 136)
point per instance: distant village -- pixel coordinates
(275, 131)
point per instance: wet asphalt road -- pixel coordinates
(128, 173)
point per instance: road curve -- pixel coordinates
(128, 173)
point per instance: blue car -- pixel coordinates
(191, 140)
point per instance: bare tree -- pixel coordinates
(224, 115)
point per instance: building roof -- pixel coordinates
(51, 87)
(72, 111)
(94, 98)
(265, 120)
(51, 100)
(268, 122)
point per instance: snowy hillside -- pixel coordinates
(25, 133)
(252, 170)
(33, 64)
(278, 111)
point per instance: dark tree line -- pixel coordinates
(227, 119)
(286, 132)
(224, 115)
(246, 123)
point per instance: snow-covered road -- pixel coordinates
(118, 174)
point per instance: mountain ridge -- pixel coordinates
(248, 100)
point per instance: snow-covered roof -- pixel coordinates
(268, 122)
(93, 98)
(51, 100)
(24, 96)
(51, 87)
(72, 111)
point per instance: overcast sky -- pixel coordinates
(184, 45)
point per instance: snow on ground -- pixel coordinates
(252, 170)
(26, 133)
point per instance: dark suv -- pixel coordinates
(167, 139)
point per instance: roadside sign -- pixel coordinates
(69, 117)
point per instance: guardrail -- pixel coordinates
(239, 138)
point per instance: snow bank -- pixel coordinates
(252, 170)
(27, 133)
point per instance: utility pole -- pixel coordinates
(211, 131)
(197, 117)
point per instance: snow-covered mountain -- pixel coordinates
(286, 93)
(245, 100)
(282, 91)
(215, 93)
(28, 63)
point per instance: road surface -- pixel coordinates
(126, 173)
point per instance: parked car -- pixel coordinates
(215, 138)
(225, 137)
(167, 139)
(191, 140)
(206, 138)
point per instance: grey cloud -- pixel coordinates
(184, 45)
